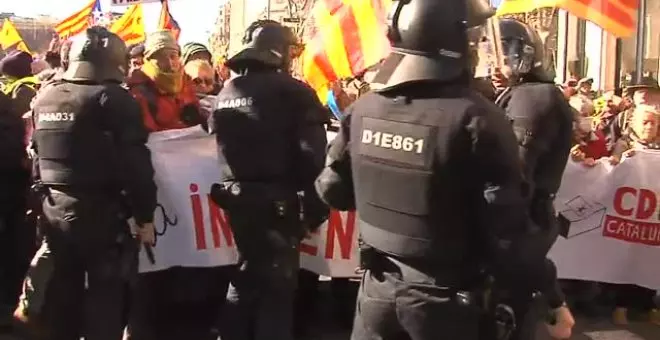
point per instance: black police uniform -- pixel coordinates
(271, 145)
(14, 179)
(90, 145)
(542, 120)
(433, 170)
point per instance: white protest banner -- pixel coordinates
(119, 3)
(613, 213)
(193, 232)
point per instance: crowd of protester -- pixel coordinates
(612, 126)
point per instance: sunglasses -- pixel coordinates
(203, 81)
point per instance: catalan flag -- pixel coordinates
(9, 35)
(79, 21)
(349, 36)
(130, 26)
(615, 16)
(166, 20)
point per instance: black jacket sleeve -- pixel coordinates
(512, 250)
(335, 184)
(542, 122)
(312, 142)
(124, 119)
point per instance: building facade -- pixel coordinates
(36, 32)
(582, 49)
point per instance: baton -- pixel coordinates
(149, 250)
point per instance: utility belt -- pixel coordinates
(271, 199)
(124, 240)
(469, 293)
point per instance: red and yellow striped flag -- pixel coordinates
(166, 20)
(615, 16)
(77, 22)
(130, 26)
(349, 36)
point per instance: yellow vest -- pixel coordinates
(30, 82)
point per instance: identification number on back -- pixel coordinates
(393, 141)
(56, 117)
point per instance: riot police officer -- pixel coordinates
(432, 168)
(543, 123)
(271, 142)
(90, 146)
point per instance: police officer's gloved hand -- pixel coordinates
(220, 196)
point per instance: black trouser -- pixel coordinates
(397, 302)
(344, 293)
(261, 293)
(527, 315)
(306, 300)
(76, 284)
(16, 242)
(178, 303)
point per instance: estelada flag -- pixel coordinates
(618, 17)
(348, 37)
(130, 26)
(9, 35)
(79, 21)
(166, 21)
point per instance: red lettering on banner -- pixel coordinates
(219, 224)
(632, 231)
(198, 217)
(647, 203)
(309, 249)
(635, 208)
(618, 201)
(343, 235)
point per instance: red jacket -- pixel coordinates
(164, 112)
(595, 146)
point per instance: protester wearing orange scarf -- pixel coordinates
(165, 93)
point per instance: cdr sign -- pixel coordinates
(119, 3)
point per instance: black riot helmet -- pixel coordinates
(266, 43)
(429, 41)
(524, 52)
(97, 55)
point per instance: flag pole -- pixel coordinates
(641, 41)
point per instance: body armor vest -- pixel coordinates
(72, 138)
(408, 162)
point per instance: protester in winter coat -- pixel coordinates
(165, 93)
(17, 67)
(589, 144)
(641, 134)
